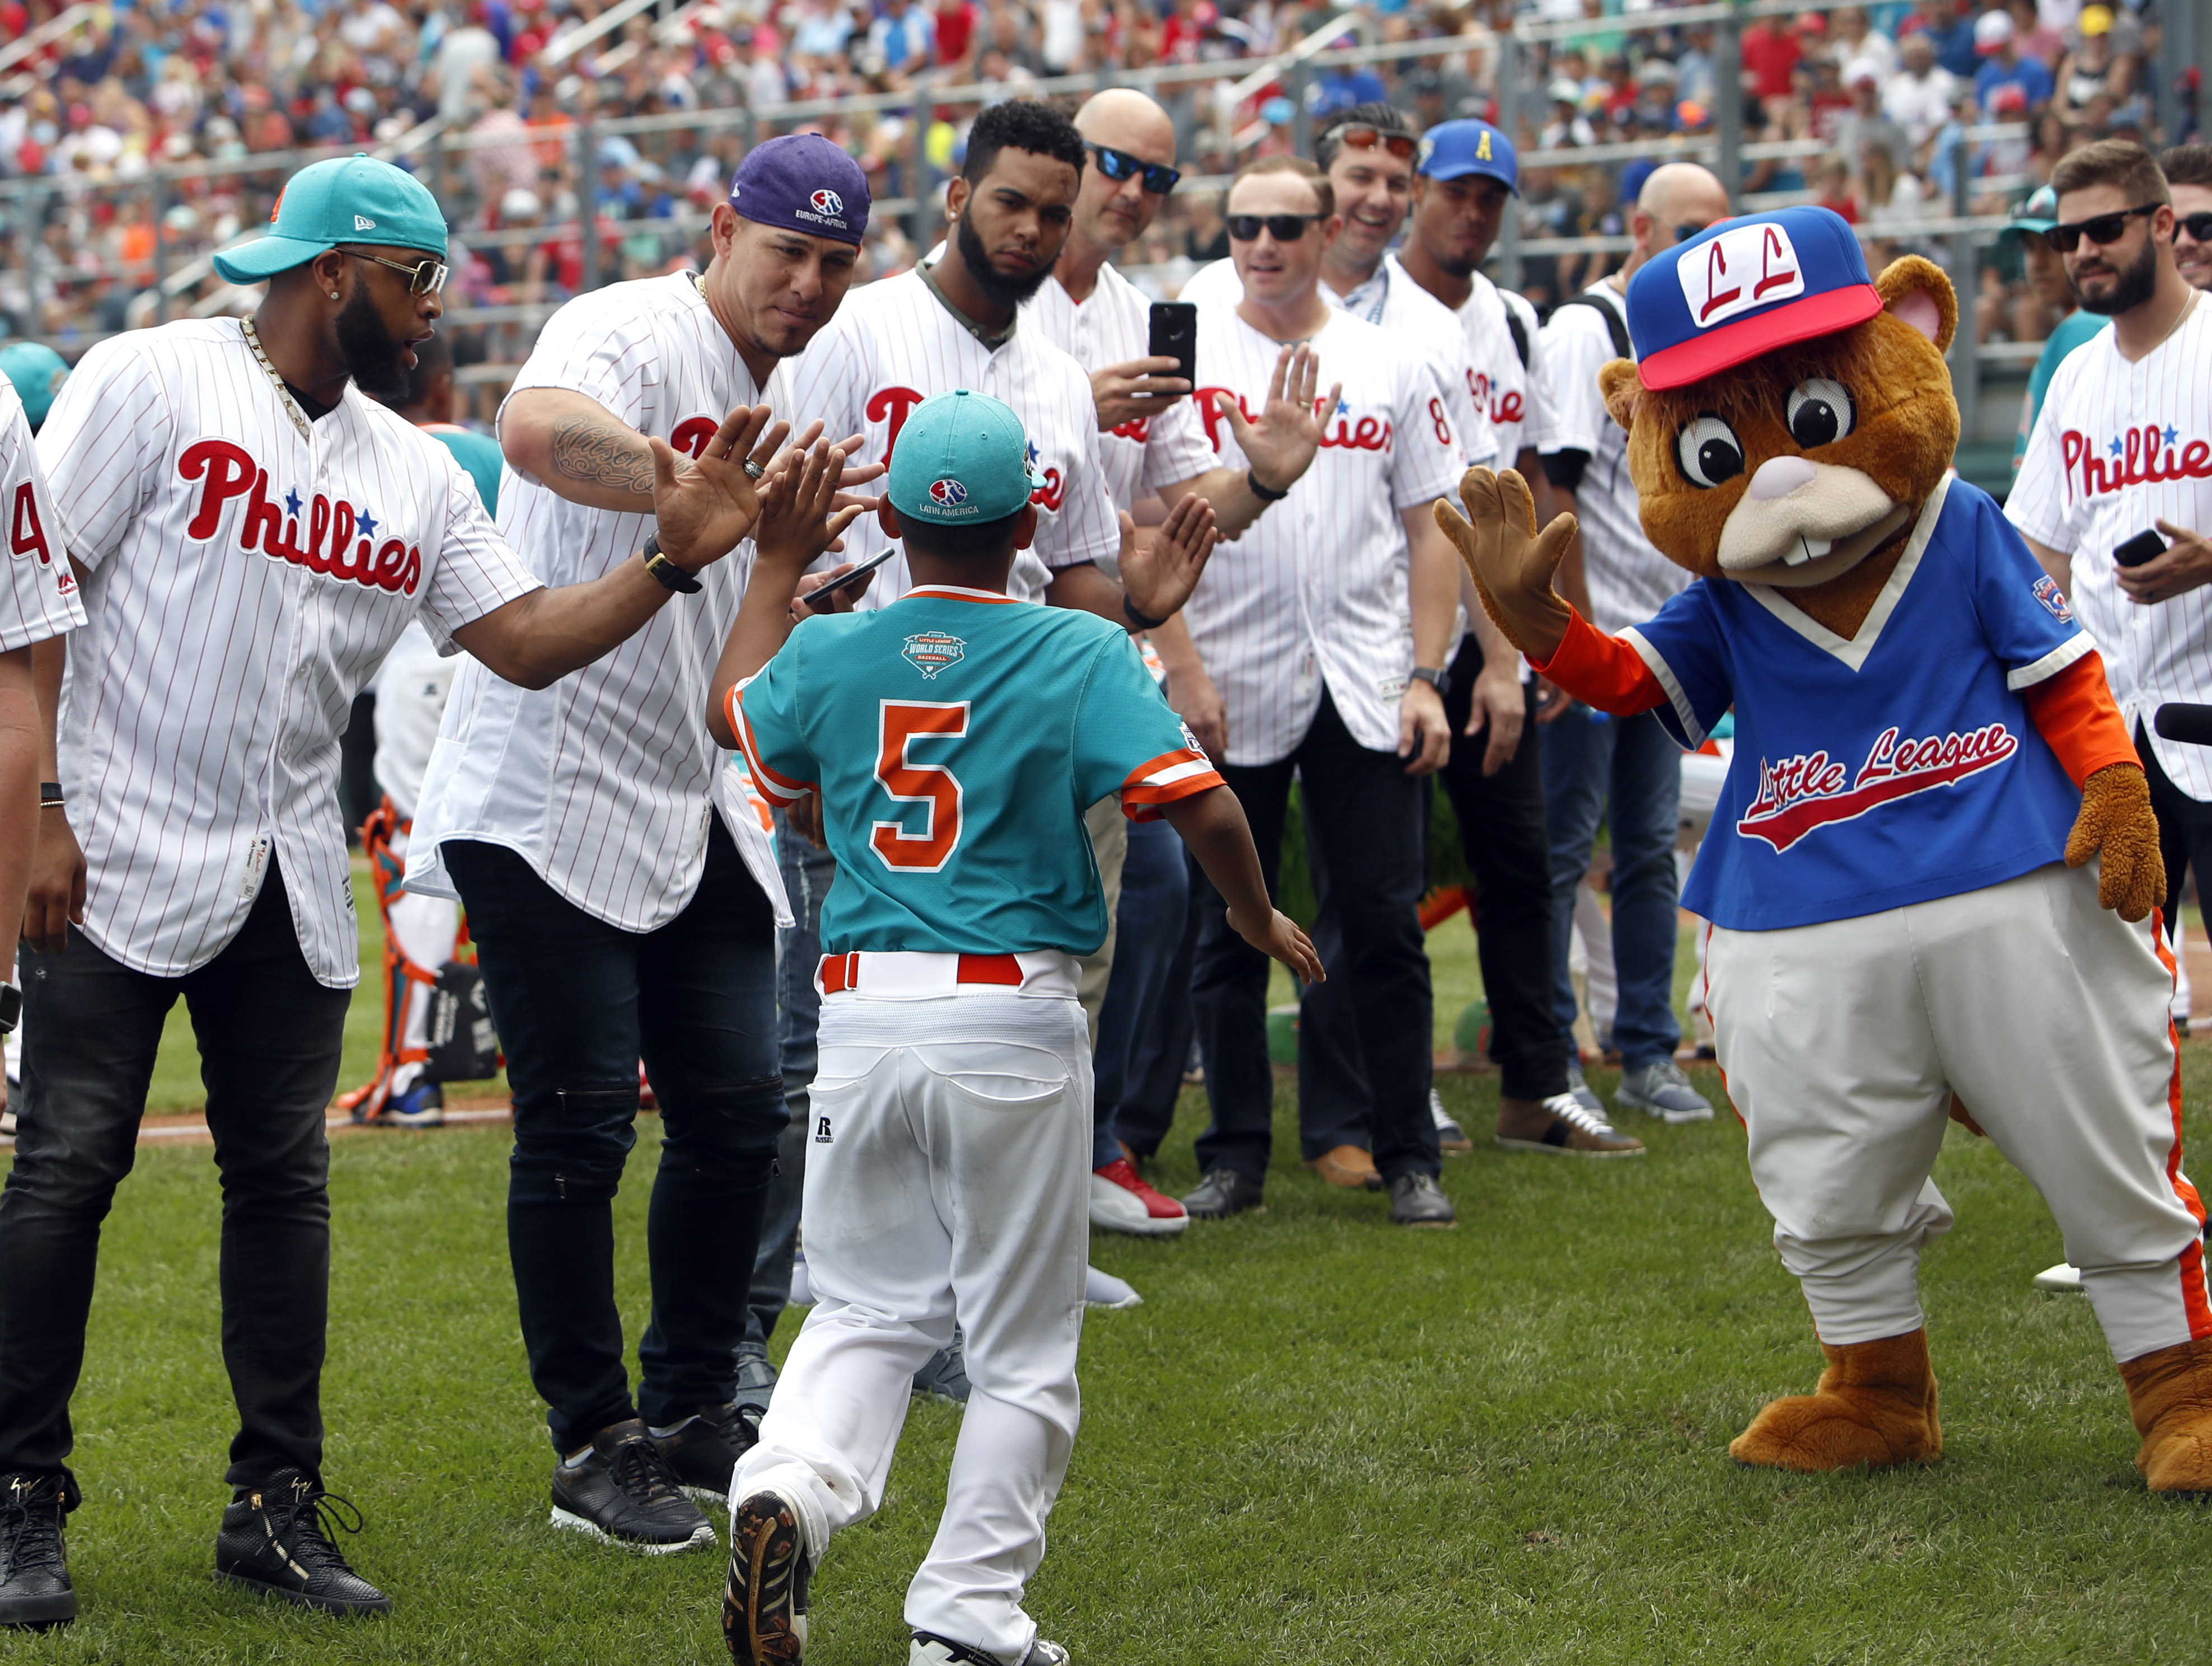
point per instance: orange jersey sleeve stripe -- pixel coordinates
(1602, 671)
(1171, 775)
(778, 789)
(2073, 711)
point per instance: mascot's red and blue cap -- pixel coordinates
(1743, 288)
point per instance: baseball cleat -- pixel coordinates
(1122, 1201)
(273, 1542)
(621, 1491)
(764, 1602)
(929, 1649)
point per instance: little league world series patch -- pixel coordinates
(930, 651)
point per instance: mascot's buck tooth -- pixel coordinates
(1906, 920)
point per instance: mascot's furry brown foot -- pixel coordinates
(1931, 871)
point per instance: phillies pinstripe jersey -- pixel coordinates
(1162, 449)
(603, 782)
(1629, 580)
(892, 345)
(38, 599)
(1507, 392)
(1316, 591)
(2116, 448)
(957, 738)
(246, 581)
(1392, 300)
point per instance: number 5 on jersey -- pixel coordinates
(900, 723)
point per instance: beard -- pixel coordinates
(372, 351)
(1003, 291)
(2130, 289)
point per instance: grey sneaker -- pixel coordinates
(755, 1380)
(1585, 1095)
(943, 1375)
(1660, 1089)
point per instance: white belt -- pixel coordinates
(901, 974)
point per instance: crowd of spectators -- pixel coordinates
(1894, 115)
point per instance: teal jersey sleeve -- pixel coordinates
(1128, 740)
(764, 714)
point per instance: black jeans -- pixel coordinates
(268, 1038)
(1364, 843)
(578, 1003)
(1501, 829)
(2184, 831)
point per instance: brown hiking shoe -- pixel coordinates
(1348, 1166)
(1563, 1126)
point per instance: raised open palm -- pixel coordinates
(1281, 444)
(704, 511)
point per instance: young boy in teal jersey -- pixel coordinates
(955, 738)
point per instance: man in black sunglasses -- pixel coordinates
(2188, 170)
(2123, 447)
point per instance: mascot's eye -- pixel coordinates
(1819, 411)
(1709, 450)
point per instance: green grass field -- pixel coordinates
(1319, 1438)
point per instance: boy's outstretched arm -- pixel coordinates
(1212, 824)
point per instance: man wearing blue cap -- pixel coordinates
(36, 373)
(952, 1116)
(620, 879)
(251, 535)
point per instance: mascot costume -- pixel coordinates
(1932, 868)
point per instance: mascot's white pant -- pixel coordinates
(1843, 1043)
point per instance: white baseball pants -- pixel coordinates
(1843, 1042)
(427, 930)
(946, 1176)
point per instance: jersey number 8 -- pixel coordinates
(931, 785)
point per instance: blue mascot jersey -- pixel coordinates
(1895, 768)
(957, 737)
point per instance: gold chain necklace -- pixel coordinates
(291, 408)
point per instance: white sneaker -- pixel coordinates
(927, 1650)
(1104, 1290)
(1122, 1201)
(2063, 1279)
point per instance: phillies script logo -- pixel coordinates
(1506, 410)
(1807, 791)
(892, 405)
(2131, 457)
(1369, 434)
(1138, 428)
(230, 471)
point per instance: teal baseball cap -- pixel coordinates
(346, 199)
(961, 458)
(36, 373)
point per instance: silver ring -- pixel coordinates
(754, 470)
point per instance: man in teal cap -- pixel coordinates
(36, 373)
(2046, 278)
(251, 535)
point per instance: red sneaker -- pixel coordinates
(1121, 1202)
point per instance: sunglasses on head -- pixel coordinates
(1118, 164)
(1400, 145)
(1282, 228)
(2100, 229)
(2198, 225)
(425, 278)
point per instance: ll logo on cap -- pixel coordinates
(950, 493)
(1738, 271)
(827, 202)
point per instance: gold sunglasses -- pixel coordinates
(425, 278)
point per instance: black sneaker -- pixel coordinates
(1223, 1193)
(274, 1540)
(703, 1451)
(624, 1493)
(943, 1375)
(34, 1582)
(1416, 1200)
(764, 1604)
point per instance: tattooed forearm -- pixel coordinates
(599, 453)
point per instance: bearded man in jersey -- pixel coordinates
(252, 536)
(619, 877)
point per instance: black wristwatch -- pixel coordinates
(11, 1008)
(674, 577)
(1261, 492)
(1438, 680)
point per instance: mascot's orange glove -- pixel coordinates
(1510, 560)
(2116, 822)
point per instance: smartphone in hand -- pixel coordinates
(2144, 547)
(1174, 336)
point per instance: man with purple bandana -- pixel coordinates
(620, 882)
